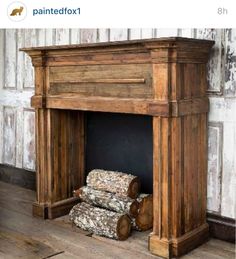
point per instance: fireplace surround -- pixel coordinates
(163, 78)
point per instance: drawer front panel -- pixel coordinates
(128, 81)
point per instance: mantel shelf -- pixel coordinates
(151, 107)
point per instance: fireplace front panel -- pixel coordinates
(120, 142)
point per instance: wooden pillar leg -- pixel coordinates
(40, 207)
(178, 184)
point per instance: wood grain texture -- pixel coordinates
(101, 221)
(108, 200)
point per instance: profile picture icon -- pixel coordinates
(16, 11)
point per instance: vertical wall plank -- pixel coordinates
(228, 202)
(30, 41)
(75, 36)
(214, 167)
(166, 32)
(134, 34)
(9, 136)
(49, 37)
(2, 65)
(62, 36)
(10, 58)
(189, 33)
(215, 73)
(88, 35)
(2, 59)
(20, 60)
(118, 34)
(230, 64)
(103, 35)
(19, 134)
(1, 133)
(29, 140)
(147, 33)
(40, 37)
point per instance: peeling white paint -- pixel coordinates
(75, 36)
(9, 135)
(230, 65)
(88, 35)
(222, 109)
(118, 34)
(215, 62)
(29, 140)
(214, 167)
(19, 138)
(1, 134)
(103, 35)
(62, 36)
(228, 204)
(10, 59)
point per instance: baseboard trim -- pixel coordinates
(17, 176)
(221, 227)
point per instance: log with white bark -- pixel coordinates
(144, 219)
(100, 221)
(108, 200)
(116, 182)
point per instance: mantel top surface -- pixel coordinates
(147, 43)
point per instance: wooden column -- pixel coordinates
(60, 138)
(179, 157)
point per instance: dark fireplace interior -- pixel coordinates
(120, 142)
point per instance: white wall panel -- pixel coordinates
(118, 34)
(103, 35)
(230, 63)
(9, 135)
(88, 35)
(74, 36)
(228, 204)
(10, 59)
(216, 61)
(214, 167)
(29, 140)
(62, 36)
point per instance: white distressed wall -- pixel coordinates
(17, 144)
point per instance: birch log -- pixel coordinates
(144, 220)
(108, 200)
(100, 221)
(116, 182)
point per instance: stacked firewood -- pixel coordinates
(111, 205)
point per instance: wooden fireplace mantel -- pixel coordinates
(164, 78)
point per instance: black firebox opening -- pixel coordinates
(120, 142)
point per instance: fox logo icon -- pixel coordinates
(17, 11)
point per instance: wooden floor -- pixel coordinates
(22, 236)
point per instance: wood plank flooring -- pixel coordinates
(23, 236)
